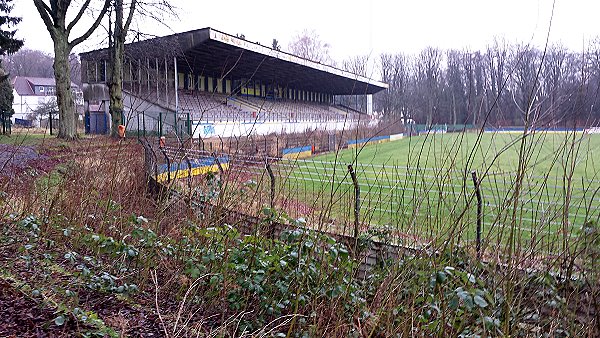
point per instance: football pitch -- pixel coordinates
(420, 189)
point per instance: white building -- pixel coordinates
(31, 92)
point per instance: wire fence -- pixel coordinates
(410, 206)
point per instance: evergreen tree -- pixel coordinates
(6, 101)
(8, 43)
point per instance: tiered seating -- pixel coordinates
(209, 107)
(284, 110)
(217, 107)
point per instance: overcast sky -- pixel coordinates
(367, 27)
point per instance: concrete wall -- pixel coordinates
(228, 129)
(395, 137)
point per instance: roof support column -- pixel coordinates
(176, 84)
(148, 74)
(130, 77)
(139, 64)
(166, 82)
(157, 81)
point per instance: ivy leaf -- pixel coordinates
(60, 320)
(480, 301)
(441, 277)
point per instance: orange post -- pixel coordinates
(121, 131)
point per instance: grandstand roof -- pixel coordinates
(209, 51)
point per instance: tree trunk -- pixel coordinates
(67, 127)
(54, 17)
(115, 85)
(429, 121)
(453, 109)
(116, 89)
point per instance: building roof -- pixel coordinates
(209, 51)
(23, 85)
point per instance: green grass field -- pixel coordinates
(24, 138)
(421, 187)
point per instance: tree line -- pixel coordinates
(498, 86)
(36, 63)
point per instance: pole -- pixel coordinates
(218, 162)
(50, 120)
(356, 204)
(272, 196)
(479, 212)
(189, 125)
(272, 178)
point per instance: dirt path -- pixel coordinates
(15, 159)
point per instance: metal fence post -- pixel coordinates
(190, 172)
(479, 212)
(272, 228)
(356, 204)
(272, 178)
(168, 164)
(218, 162)
(50, 121)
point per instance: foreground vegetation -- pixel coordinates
(86, 245)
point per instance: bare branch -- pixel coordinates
(78, 16)
(92, 28)
(45, 11)
(130, 16)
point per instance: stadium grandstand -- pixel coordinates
(208, 83)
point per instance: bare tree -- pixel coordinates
(497, 64)
(357, 65)
(54, 16)
(309, 45)
(428, 78)
(117, 31)
(455, 88)
(475, 85)
(45, 110)
(553, 80)
(590, 72)
(497, 87)
(396, 72)
(525, 85)
(117, 47)
(275, 45)
(29, 62)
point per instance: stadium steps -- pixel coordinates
(245, 105)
